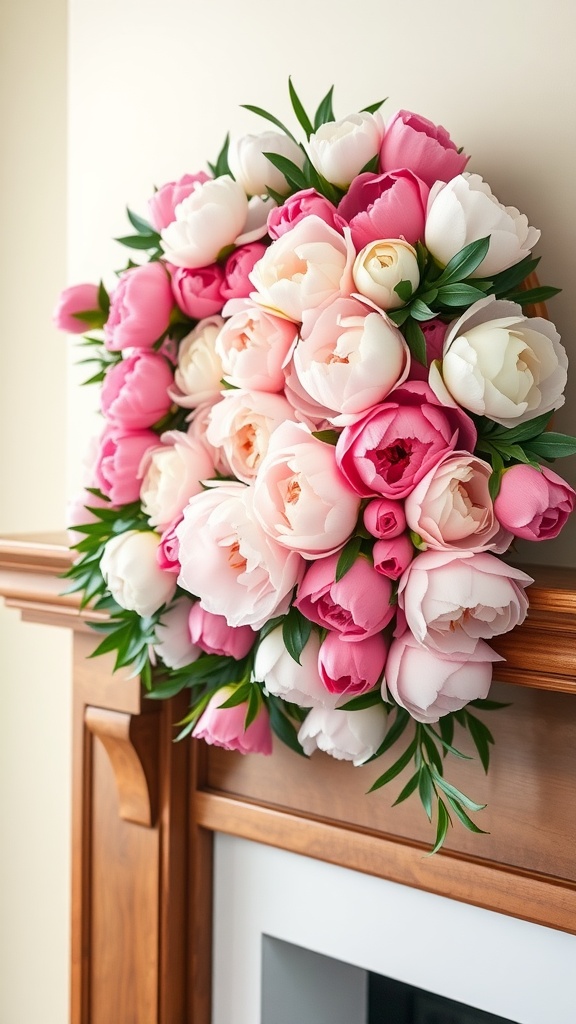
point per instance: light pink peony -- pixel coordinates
(451, 599)
(414, 142)
(430, 684)
(389, 449)
(393, 555)
(384, 518)
(118, 458)
(163, 203)
(252, 347)
(284, 677)
(357, 606)
(230, 563)
(135, 390)
(224, 727)
(214, 636)
(238, 266)
(78, 298)
(390, 205)
(352, 669)
(171, 474)
(206, 222)
(198, 293)
(451, 506)
(242, 425)
(349, 357)
(140, 308)
(345, 735)
(302, 204)
(173, 641)
(300, 497)
(303, 269)
(534, 504)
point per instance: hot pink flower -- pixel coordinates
(140, 308)
(352, 669)
(393, 556)
(79, 298)
(429, 684)
(356, 606)
(213, 635)
(434, 332)
(238, 266)
(415, 142)
(534, 504)
(384, 518)
(396, 443)
(390, 205)
(300, 205)
(224, 727)
(198, 293)
(168, 548)
(119, 456)
(135, 391)
(163, 203)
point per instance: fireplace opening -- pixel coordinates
(301, 985)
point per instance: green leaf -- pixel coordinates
(446, 726)
(268, 117)
(552, 445)
(394, 732)
(451, 791)
(431, 750)
(278, 198)
(404, 290)
(324, 113)
(103, 302)
(494, 484)
(488, 705)
(532, 295)
(508, 279)
(167, 689)
(297, 107)
(395, 768)
(425, 790)
(254, 705)
(282, 726)
(407, 790)
(524, 431)
(365, 700)
(373, 107)
(446, 744)
(466, 821)
(459, 294)
(327, 436)
(142, 226)
(464, 262)
(481, 737)
(416, 341)
(139, 241)
(371, 166)
(347, 557)
(420, 311)
(93, 318)
(399, 316)
(221, 166)
(442, 827)
(293, 174)
(269, 626)
(240, 696)
(296, 630)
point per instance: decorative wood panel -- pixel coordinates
(145, 808)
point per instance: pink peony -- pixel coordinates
(357, 606)
(389, 449)
(213, 635)
(242, 425)
(434, 332)
(168, 548)
(78, 298)
(430, 684)
(198, 293)
(393, 555)
(302, 204)
(135, 390)
(119, 455)
(224, 727)
(390, 205)
(238, 266)
(352, 669)
(140, 308)
(534, 504)
(253, 346)
(163, 203)
(426, 149)
(384, 518)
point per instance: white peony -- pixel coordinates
(132, 574)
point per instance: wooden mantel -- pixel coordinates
(145, 809)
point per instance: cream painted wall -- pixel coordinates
(35, 684)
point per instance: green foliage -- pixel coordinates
(296, 630)
(347, 557)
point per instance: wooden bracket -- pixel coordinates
(131, 742)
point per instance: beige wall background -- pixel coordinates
(152, 90)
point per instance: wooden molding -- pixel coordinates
(131, 742)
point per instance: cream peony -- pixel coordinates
(253, 170)
(199, 372)
(380, 266)
(171, 474)
(283, 677)
(132, 574)
(346, 735)
(339, 150)
(206, 222)
(242, 424)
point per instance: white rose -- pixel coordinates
(171, 474)
(284, 677)
(382, 265)
(464, 210)
(501, 364)
(199, 372)
(242, 423)
(253, 170)
(133, 575)
(346, 735)
(173, 643)
(206, 221)
(349, 358)
(304, 268)
(230, 563)
(340, 149)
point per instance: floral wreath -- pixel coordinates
(326, 417)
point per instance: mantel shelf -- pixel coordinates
(540, 654)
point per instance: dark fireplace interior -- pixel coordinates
(392, 1002)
